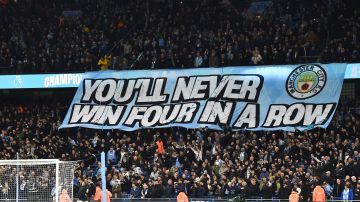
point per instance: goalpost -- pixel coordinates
(36, 180)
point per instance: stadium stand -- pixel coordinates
(38, 36)
(83, 35)
(202, 162)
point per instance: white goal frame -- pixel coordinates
(64, 175)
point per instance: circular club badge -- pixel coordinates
(306, 81)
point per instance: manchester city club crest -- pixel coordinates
(306, 81)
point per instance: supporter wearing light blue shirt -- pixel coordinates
(111, 155)
(328, 189)
(348, 193)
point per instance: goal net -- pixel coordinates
(40, 180)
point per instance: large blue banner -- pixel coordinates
(352, 71)
(287, 97)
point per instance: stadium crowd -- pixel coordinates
(152, 163)
(83, 35)
(37, 36)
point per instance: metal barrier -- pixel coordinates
(168, 199)
(210, 200)
(309, 59)
(286, 200)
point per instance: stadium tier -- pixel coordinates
(83, 35)
(190, 100)
(209, 164)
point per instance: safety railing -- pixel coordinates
(286, 200)
(309, 59)
(212, 199)
(168, 199)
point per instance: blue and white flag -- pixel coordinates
(286, 97)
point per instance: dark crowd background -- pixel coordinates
(38, 37)
(159, 163)
(83, 35)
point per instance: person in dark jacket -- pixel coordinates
(82, 191)
(135, 191)
(232, 190)
(218, 189)
(357, 191)
(243, 190)
(268, 190)
(284, 191)
(179, 186)
(200, 190)
(90, 189)
(169, 191)
(338, 187)
(254, 190)
(156, 191)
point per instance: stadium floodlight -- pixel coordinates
(36, 180)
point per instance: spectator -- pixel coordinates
(182, 197)
(328, 189)
(230, 190)
(198, 152)
(348, 193)
(243, 191)
(90, 190)
(287, 32)
(284, 191)
(338, 187)
(135, 191)
(254, 188)
(357, 191)
(82, 192)
(264, 174)
(98, 193)
(319, 194)
(160, 146)
(199, 61)
(213, 59)
(144, 191)
(294, 196)
(268, 190)
(201, 158)
(111, 155)
(115, 186)
(64, 196)
(108, 196)
(256, 58)
(104, 62)
(169, 189)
